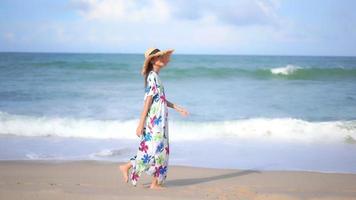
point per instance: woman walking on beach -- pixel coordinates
(153, 152)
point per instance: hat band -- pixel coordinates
(154, 51)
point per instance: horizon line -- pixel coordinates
(202, 54)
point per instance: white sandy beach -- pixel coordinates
(35, 180)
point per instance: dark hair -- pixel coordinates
(149, 68)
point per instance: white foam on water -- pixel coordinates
(23, 125)
(110, 152)
(287, 70)
(284, 129)
(41, 156)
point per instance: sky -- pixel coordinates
(246, 27)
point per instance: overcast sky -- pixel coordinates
(271, 27)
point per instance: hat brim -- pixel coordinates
(160, 53)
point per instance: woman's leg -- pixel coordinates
(154, 184)
(125, 170)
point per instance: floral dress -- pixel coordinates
(153, 152)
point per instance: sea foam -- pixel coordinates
(284, 129)
(287, 70)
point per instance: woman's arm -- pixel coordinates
(144, 112)
(178, 108)
(170, 104)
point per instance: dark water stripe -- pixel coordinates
(300, 73)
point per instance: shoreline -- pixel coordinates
(92, 179)
(238, 154)
(98, 161)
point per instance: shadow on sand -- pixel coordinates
(192, 181)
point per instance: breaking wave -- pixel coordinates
(286, 129)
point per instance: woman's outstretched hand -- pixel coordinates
(182, 111)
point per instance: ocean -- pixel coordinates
(246, 112)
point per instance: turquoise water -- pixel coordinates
(216, 88)
(76, 98)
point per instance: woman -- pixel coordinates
(153, 152)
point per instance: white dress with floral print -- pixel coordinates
(153, 152)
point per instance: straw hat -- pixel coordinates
(152, 52)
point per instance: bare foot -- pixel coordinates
(156, 186)
(125, 172)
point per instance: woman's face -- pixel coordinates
(162, 60)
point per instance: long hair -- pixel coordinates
(146, 72)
